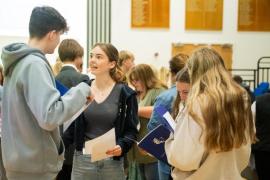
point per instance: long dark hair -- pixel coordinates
(116, 73)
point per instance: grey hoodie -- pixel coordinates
(32, 111)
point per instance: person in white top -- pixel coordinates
(213, 135)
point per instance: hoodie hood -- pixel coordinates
(14, 53)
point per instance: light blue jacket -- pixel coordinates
(165, 99)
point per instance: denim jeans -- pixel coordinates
(84, 169)
(164, 171)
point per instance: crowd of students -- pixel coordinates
(214, 123)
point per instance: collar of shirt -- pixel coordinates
(71, 65)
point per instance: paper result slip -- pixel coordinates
(97, 147)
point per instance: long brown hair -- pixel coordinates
(116, 73)
(146, 75)
(225, 106)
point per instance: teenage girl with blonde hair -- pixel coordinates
(213, 135)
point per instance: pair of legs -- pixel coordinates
(164, 171)
(149, 171)
(2, 169)
(139, 171)
(84, 169)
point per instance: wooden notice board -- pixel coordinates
(254, 15)
(204, 14)
(150, 13)
(225, 50)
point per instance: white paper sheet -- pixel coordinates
(98, 146)
(170, 120)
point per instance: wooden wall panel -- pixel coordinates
(225, 50)
(204, 15)
(254, 15)
(150, 13)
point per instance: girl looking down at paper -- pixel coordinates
(114, 106)
(213, 134)
(182, 86)
(148, 87)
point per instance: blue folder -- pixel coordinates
(154, 142)
(61, 88)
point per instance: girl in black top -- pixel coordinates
(114, 106)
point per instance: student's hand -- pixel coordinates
(116, 151)
(89, 99)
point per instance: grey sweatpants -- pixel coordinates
(2, 169)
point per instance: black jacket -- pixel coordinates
(262, 123)
(125, 124)
(69, 77)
